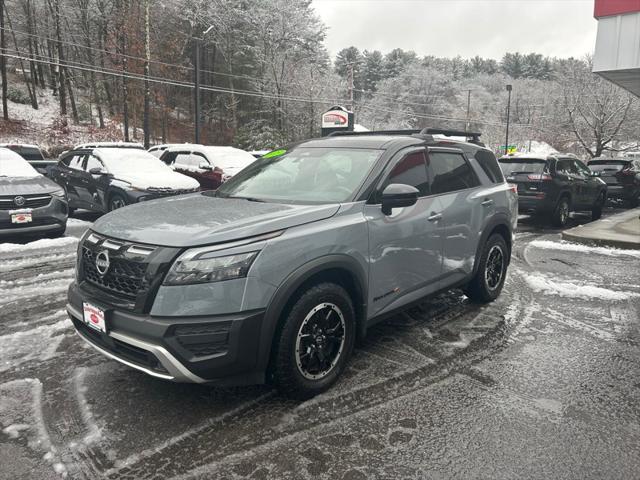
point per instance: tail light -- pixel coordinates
(627, 171)
(540, 177)
(513, 187)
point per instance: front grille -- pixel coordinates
(30, 201)
(123, 278)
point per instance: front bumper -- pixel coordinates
(49, 218)
(218, 349)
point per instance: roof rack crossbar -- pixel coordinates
(473, 137)
(375, 132)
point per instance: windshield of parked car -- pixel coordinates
(13, 165)
(128, 161)
(303, 175)
(608, 165)
(516, 166)
(229, 157)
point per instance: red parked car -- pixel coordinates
(211, 166)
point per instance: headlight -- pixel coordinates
(189, 269)
(58, 193)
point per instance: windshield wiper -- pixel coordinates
(249, 199)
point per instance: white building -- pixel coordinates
(617, 55)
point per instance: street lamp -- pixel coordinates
(196, 65)
(506, 141)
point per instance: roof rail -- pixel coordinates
(472, 137)
(375, 132)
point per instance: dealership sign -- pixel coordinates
(335, 119)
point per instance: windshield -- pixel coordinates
(229, 157)
(13, 165)
(522, 166)
(304, 175)
(128, 161)
(28, 153)
(608, 165)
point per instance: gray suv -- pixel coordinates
(275, 275)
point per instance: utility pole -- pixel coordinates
(506, 141)
(467, 125)
(3, 64)
(196, 73)
(196, 64)
(147, 89)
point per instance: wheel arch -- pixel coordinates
(502, 226)
(336, 268)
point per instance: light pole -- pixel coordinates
(506, 141)
(196, 68)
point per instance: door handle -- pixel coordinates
(487, 202)
(434, 217)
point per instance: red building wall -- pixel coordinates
(605, 8)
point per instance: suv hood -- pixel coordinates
(201, 219)
(163, 179)
(27, 185)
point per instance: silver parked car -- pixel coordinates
(30, 203)
(273, 276)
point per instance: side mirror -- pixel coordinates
(205, 166)
(97, 171)
(398, 195)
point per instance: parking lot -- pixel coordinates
(542, 383)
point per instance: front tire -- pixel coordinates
(561, 212)
(488, 281)
(116, 201)
(315, 342)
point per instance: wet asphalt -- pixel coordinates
(542, 383)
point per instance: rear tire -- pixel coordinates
(632, 202)
(315, 341)
(596, 212)
(561, 212)
(488, 281)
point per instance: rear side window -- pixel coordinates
(168, 157)
(411, 170)
(451, 172)
(607, 165)
(489, 164)
(522, 166)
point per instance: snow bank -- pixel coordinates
(44, 243)
(540, 283)
(576, 247)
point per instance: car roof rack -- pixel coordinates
(375, 132)
(472, 137)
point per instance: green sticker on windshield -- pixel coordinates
(275, 153)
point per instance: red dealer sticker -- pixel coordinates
(21, 218)
(94, 317)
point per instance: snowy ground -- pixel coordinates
(543, 383)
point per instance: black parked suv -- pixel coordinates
(622, 176)
(104, 179)
(554, 186)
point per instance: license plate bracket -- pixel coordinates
(94, 317)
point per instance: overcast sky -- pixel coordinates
(489, 28)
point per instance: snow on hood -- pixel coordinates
(13, 165)
(143, 170)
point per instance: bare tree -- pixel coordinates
(596, 109)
